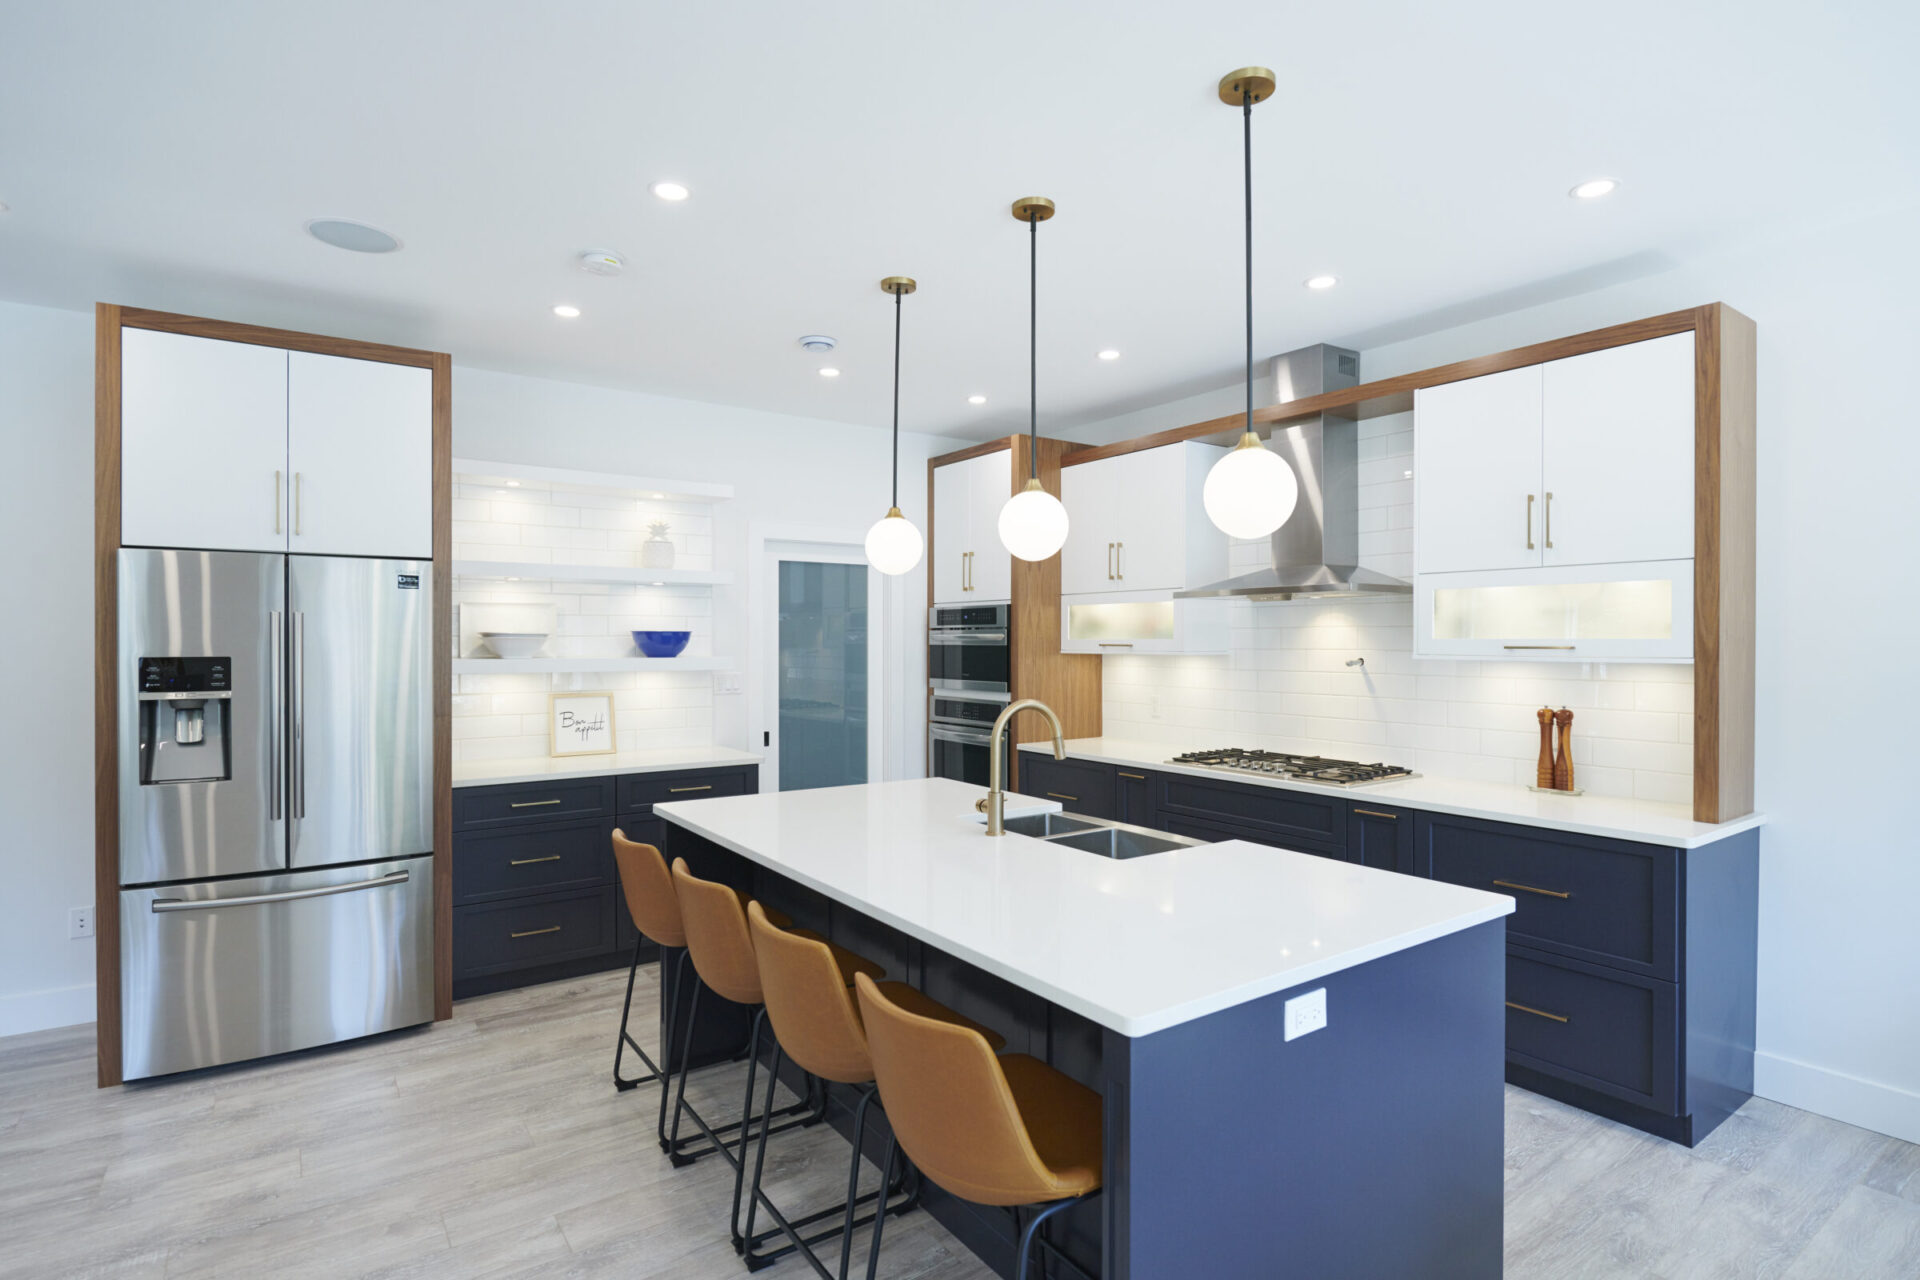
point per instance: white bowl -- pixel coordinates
(515, 644)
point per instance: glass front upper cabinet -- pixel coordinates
(1597, 613)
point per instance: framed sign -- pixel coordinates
(580, 724)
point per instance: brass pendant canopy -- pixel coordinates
(898, 285)
(1256, 83)
(1033, 208)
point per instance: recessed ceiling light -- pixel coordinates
(818, 342)
(566, 312)
(1109, 354)
(356, 237)
(670, 191)
(976, 399)
(1322, 282)
(829, 372)
(1594, 188)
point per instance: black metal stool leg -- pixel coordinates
(680, 1091)
(626, 1041)
(880, 1219)
(746, 1123)
(853, 1178)
(1033, 1229)
(668, 1011)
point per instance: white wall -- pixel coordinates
(46, 756)
(1838, 310)
(791, 471)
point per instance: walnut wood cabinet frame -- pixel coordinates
(109, 320)
(1723, 564)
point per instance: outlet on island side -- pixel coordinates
(1306, 1013)
(79, 922)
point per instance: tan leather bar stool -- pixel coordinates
(722, 952)
(816, 1022)
(1007, 1131)
(647, 886)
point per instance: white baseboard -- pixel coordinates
(39, 1010)
(1867, 1103)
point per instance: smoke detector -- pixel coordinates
(602, 262)
(819, 342)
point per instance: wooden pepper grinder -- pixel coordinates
(1543, 774)
(1563, 757)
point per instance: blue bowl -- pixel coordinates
(662, 644)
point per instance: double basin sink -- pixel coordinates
(1096, 835)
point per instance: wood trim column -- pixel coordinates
(442, 687)
(1725, 410)
(1067, 682)
(106, 690)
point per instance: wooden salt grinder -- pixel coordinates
(1543, 776)
(1563, 758)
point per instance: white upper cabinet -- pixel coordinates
(360, 449)
(203, 443)
(1617, 465)
(969, 564)
(1137, 522)
(1476, 475)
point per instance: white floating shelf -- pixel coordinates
(479, 471)
(614, 574)
(570, 666)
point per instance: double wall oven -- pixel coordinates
(970, 674)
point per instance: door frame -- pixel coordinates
(767, 544)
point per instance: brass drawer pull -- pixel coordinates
(531, 804)
(1538, 1013)
(675, 790)
(534, 933)
(1137, 777)
(527, 862)
(1527, 888)
(1375, 813)
(1055, 795)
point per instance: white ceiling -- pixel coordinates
(169, 155)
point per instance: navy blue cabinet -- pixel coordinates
(1081, 786)
(1381, 836)
(536, 896)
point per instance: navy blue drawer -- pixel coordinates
(518, 860)
(1213, 831)
(1081, 786)
(496, 937)
(1609, 902)
(532, 802)
(1595, 1027)
(1286, 818)
(639, 792)
(1378, 836)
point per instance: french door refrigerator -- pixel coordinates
(276, 803)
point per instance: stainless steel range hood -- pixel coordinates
(1316, 552)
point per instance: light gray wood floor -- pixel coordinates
(494, 1145)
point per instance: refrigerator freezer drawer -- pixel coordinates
(228, 970)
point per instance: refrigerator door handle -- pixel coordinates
(256, 899)
(298, 774)
(276, 713)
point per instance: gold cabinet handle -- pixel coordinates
(296, 504)
(1137, 777)
(1538, 1013)
(1109, 562)
(1536, 646)
(276, 501)
(675, 790)
(1527, 888)
(1375, 813)
(1055, 795)
(534, 933)
(1530, 522)
(1546, 521)
(527, 862)
(531, 804)
(1120, 561)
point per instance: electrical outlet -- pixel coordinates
(79, 922)
(727, 682)
(1306, 1013)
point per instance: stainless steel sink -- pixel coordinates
(1047, 825)
(1123, 841)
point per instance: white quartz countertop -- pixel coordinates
(1666, 824)
(1137, 945)
(481, 773)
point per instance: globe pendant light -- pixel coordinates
(1033, 524)
(893, 544)
(1250, 492)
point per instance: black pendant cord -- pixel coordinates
(896, 400)
(1246, 112)
(1033, 344)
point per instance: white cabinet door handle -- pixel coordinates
(1547, 522)
(1530, 522)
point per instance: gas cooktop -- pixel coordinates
(1284, 764)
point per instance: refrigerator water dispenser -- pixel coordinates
(185, 710)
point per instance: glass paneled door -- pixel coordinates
(822, 674)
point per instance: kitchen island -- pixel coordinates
(1370, 1146)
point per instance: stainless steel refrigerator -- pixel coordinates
(276, 803)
